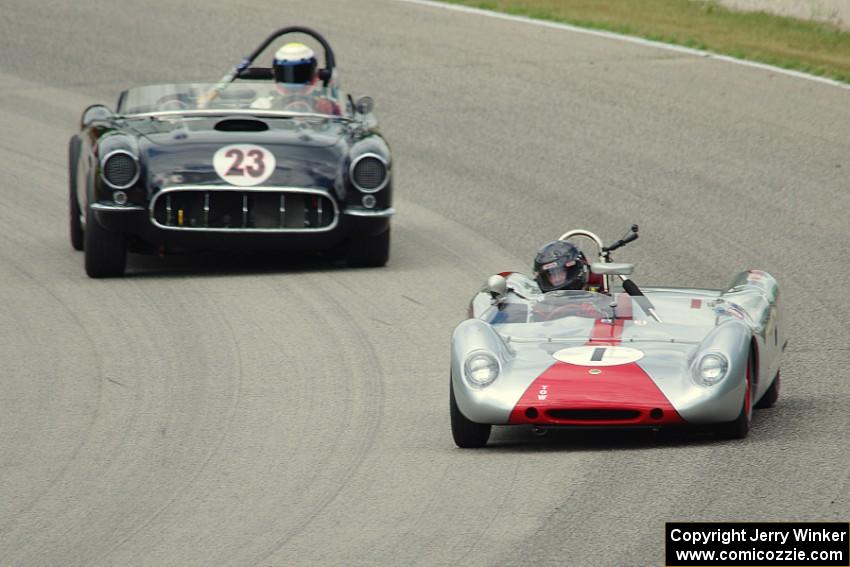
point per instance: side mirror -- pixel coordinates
(498, 287)
(94, 114)
(612, 268)
(364, 105)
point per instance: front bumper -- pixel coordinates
(135, 221)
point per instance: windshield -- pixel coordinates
(238, 96)
(552, 306)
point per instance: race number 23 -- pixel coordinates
(255, 169)
(244, 164)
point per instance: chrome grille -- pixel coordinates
(226, 209)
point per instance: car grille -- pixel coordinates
(265, 209)
(593, 414)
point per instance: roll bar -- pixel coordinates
(604, 251)
(330, 60)
(324, 74)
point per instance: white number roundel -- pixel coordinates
(244, 164)
(598, 355)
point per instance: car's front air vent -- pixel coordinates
(120, 170)
(213, 208)
(593, 414)
(241, 125)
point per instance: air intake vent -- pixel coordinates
(593, 414)
(228, 209)
(369, 173)
(241, 125)
(120, 170)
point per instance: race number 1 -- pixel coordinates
(598, 356)
(244, 164)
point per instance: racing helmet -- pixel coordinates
(295, 67)
(560, 265)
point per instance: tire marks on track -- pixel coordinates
(188, 481)
(342, 321)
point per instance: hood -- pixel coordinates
(177, 152)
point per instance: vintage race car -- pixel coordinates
(230, 166)
(616, 357)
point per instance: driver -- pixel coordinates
(296, 78)
(560, 265)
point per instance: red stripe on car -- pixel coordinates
(572, 394)
(569, 394)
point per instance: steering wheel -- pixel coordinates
(171, 102)
(298, 106)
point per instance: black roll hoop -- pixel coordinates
(330, 62)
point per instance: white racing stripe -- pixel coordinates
(630, 39)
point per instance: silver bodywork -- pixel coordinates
(742, 320)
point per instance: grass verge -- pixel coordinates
(811, 47)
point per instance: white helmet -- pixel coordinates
(295, 63)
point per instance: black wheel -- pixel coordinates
(740, 428)
(106, 252)
(467, 434)
(370, 251)
(74, 206)
(768, 400)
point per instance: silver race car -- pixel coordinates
(613, 355)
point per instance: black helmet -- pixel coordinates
(560, 265)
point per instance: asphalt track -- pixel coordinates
(223, 411)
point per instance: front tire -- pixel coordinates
(370, 251)
(740, 428)
(768, 400)
(105, 251)
(76, 227)
(467, 434)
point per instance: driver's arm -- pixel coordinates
(262, 103)
(327, 106)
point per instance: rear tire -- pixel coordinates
(106, 252)
(370, 251)
(768, 400)
(74, 212)
(467, 434)
(740, 428)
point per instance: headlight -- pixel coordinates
(120, 169)
(481, 369)
(711, 369)
(369, 173)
